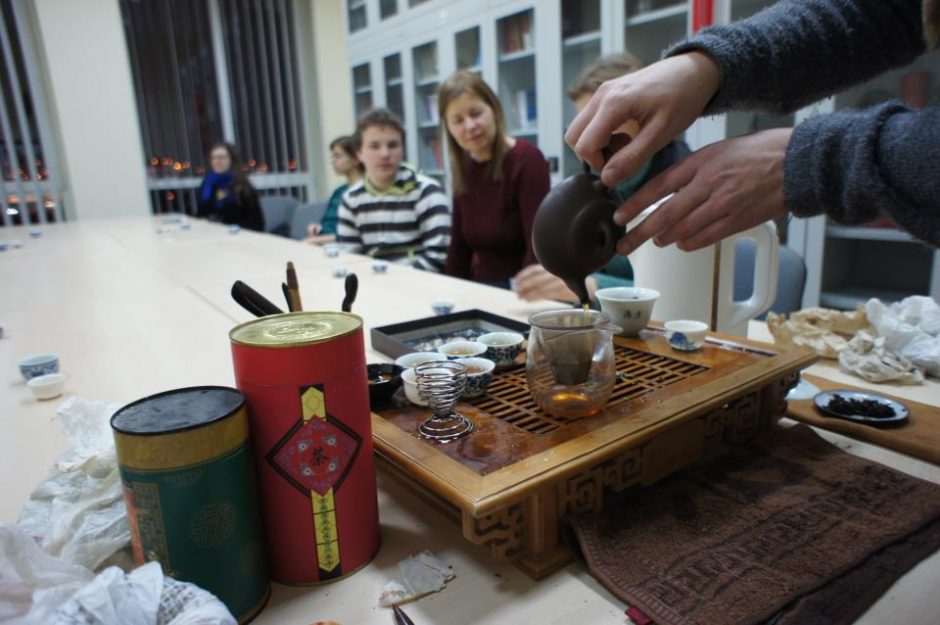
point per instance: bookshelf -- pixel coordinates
(516, 70)
(581, 38)
(426, 73)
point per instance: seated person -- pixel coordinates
(499, 182)
(393, 212)
(344, 161)
(534, 282)
(226, 195)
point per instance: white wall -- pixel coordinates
(93, 107)
(332, 92)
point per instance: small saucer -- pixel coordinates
(900, 416)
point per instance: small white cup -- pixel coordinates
(412, 360)
(47, 386)
(629, 307)
(685, 334)
(331, 250)
(462, 349)
(379, 266)
(409, 382)
(340, 272)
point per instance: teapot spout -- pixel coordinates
(579, 288)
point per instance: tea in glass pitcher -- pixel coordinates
(570, 361)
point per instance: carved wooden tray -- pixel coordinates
(512, 481)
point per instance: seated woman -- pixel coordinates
(498, 184)
(226, 195)
(344, 161)
(535, 282)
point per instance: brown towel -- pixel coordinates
(919, 437)
(788, 527)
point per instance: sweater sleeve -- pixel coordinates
(459, 254)
(347, 231)
(856, 165)
(798, 51)
(534, 184)
(433, 214)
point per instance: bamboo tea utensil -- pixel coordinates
(293, 288)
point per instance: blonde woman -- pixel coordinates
(499, 182)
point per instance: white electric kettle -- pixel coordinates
(700, 284)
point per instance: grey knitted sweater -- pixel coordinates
(853, 165)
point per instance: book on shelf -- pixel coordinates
(436, 153)
(526, 109)
(517, 34)
(430, 107)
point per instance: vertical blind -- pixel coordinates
(30, 187)
(212, 70)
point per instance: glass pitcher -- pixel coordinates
(570, 361)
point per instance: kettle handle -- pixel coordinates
(766, 269)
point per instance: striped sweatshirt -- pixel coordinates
(408, 223)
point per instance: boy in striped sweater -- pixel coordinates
(393, 212)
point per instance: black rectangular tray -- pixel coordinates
(420, 335)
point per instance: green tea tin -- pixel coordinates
(191, 492)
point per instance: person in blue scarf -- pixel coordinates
(535, 282)
(226, 195)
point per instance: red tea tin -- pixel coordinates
(304, 377)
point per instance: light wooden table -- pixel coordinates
(137, 306)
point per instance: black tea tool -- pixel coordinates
(352, 287)
(252, 301)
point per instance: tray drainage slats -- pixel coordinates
(638, 373)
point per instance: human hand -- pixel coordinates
(664, 98)
(724, 188)
(313, 229)
(535, 282)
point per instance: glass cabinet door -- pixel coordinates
(394, 94)
(426, 79)
(362, 88)
(516, 72)
(581, 46)
(388, 8)
(654, 25)
(356, 15)
(467, 46)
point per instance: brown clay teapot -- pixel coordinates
(574, 233)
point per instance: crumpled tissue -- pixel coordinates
(911, 328)
(78, 511)
(825, 331)
(39, 589)
(868, 357)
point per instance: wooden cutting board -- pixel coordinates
(919, 437)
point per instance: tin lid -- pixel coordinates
(177, 410)
(295, 329)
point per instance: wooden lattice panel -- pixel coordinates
(508, 398)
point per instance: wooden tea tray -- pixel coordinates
(511, 482)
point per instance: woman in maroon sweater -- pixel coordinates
(498, 184)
